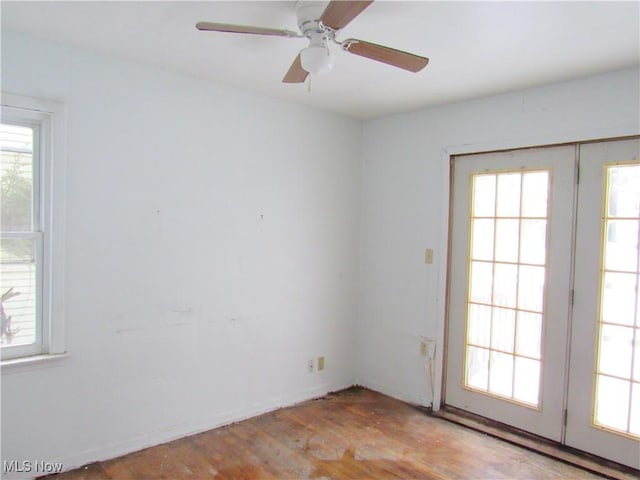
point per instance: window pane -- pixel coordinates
(502, 329)
(618, 339)
(636, 361)
(634, 423)
(612, 404)
(18, 291)
(477, 367)
(621, 248)
(481, 282)
(508, 204)
(533, 246)
(527, 380)
(482, 246)
(505, 281)
(618, 298)
(507, 240)
(529, 333)
(484, 195)
(479, 326)
(624, 194)
(501, 373)
(535, 188)
(16, 178)
(615, 350)
(531, 288)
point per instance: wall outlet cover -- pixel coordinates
(320, 363)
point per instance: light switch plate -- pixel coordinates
(428, 256)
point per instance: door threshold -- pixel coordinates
(586, 461)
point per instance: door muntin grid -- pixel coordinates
(616, 404)
(506, 284)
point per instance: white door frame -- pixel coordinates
(545, 419)
(443, 270)
(581, 433)
(448, 152)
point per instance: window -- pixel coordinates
(617, 404)
(31, 246)
(505, 301)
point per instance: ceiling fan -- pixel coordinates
(321, 27)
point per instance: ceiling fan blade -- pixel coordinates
(390, 56)
(226, 27)
(296, 73)
(340, 12)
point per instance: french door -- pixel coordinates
(544, 329)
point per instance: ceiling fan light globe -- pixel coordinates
(316, 59)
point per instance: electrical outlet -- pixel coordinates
(428, 347)
(320, 363)
(310, 366)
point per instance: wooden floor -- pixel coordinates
(354, 434)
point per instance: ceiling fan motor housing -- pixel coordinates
(308, 14)
(316, 58)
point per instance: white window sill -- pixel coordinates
(15, 364)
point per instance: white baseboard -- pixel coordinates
(394, 393)
(175, 432)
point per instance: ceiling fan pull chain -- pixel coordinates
(309, 84)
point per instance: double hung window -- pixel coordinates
(31, 255)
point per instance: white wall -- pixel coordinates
(405, 207)
(211, 251)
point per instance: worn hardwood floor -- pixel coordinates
(354, 434)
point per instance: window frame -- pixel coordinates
(48, 117)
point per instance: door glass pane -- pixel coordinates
(501, 374)
(506, 294)
(618, 298)
(533, 241)
(621, 248)
(534, 194)
(480, 289)
(508, 203)
(504, 284)
(617, 399)
(612, 402)
(482, 231)
(503, 329)
(484, 195)
(507, 240)
(615, 350)
(531, 288)
(478, 367)
(636, 363)
(634, 423)
(529, 334)
(527, 378)
(623, 196)
(479, 325)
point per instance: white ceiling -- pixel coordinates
(476, 48)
